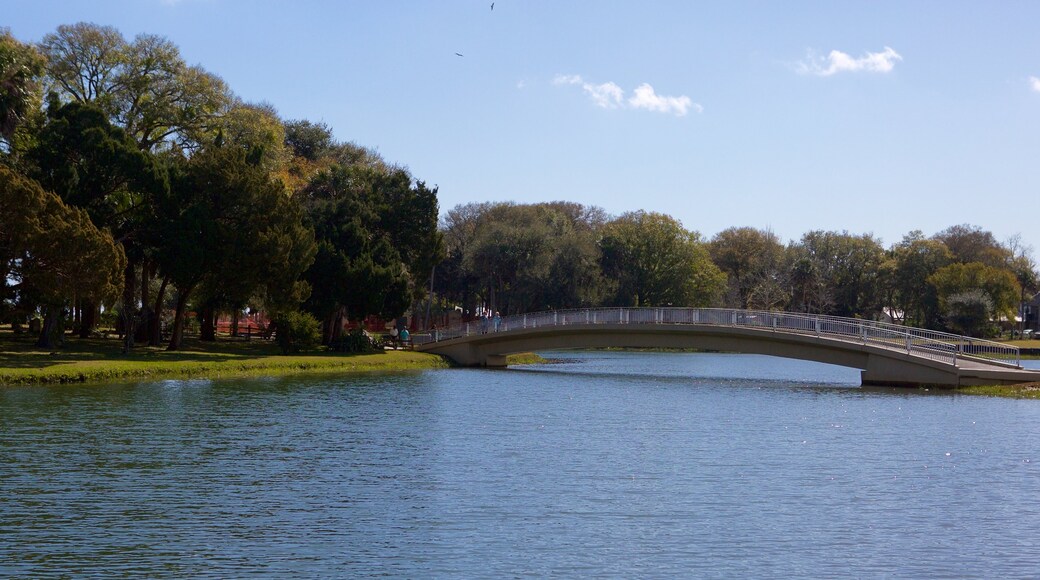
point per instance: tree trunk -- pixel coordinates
(207, 324)
(129, 313)
(234, 322)
(326, 329)
(50, 322)
(178, 322)
(88, 318)
(155, 322)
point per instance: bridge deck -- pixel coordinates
(888, 354)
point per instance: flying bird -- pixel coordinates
(492, 6)
(458, 54)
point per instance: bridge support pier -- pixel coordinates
(495, 361)
(885, 371)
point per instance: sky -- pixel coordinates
(873, 116)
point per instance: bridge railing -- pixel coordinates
(935, 345)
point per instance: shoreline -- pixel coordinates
(102, 371)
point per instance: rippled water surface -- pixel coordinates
(605, 464)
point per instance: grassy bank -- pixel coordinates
(94, 360)
(1023, 391)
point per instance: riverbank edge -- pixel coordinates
(96, 372)
(121, 370)
(1022, 391)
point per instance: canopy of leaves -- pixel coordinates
(143, 86)
(21, 70)
(51, 252)
(657, 262)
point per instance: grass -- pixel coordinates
(1023, 391)
(525, 358)
(97, 359)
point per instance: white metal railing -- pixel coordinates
(935, 345)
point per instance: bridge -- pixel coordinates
(887, 354)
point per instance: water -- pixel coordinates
(606, 464)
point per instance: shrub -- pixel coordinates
(297, 331)
(356, 340)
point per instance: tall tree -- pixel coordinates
(970, 243)
(657, 262)
(228, 224)
(914, 260)
(849, 266)
(377, 242)
(143, 86)
(973, 291)
(94, 165)
(753, 262)
(21, 70)
(52, 252)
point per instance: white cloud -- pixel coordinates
(838, 61)
(1034, 83)
(646, 98)
(567, 80)
(609, 95)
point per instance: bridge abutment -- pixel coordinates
(890, 371)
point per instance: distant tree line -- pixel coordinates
(133, 183)
(519, 258)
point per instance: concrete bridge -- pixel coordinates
(887, 354)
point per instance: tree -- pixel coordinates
(310, 141)
(377, 242)
(847, 266)
(21, 69)
(956, 283)
(753, 262)
(94, 165)
(970, 243)
(145, 86)
(229, 225)
(52, 252)
(914, 260)
(657, 262)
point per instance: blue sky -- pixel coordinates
(880, 117)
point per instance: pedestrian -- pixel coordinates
(497, 321)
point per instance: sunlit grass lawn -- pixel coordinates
(98, 359)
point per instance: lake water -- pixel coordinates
(604, 464)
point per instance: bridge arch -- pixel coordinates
(886, 354)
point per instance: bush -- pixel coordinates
(296, 331)
(356, 340)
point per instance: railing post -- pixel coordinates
(907, 343)
(586, 317)
(525, 321)
(556, 318)
(863, 332)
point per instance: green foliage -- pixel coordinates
(970, 313)
(355, 341)
(21, 70)
(377, 240)
(231, 229)
(297, 331)
(956, 283)
(753, 262)
(839, 273)
(912, 262)
(657, 262)
(144, 86)
(51, 252)
(308, 140)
